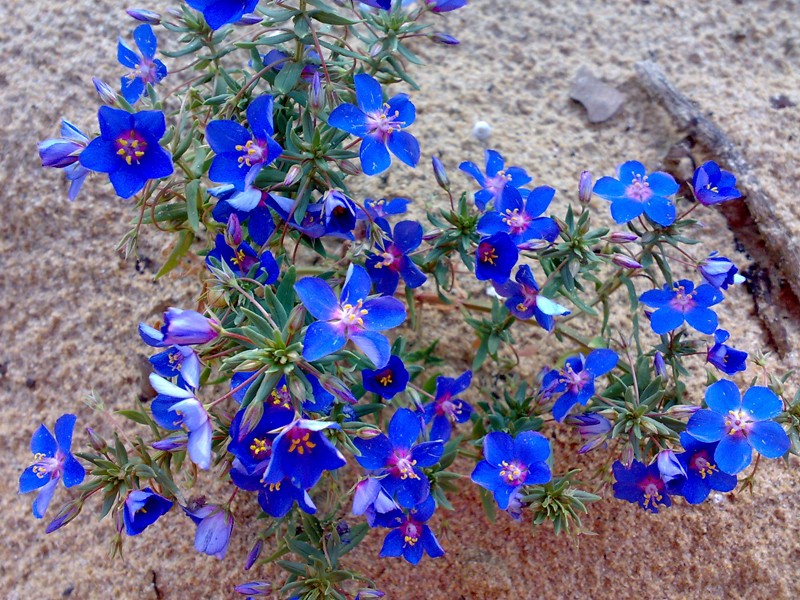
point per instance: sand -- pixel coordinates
(72, 304)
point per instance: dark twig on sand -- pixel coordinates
(776, 235)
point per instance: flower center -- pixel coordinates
(47, 465)
(639, 189)
(300, 441)
(381, 124)
(517, 221)
(385, 378)
(738, 422)
(651, 488)
(131, 147)
(255, 152)
(682, 301)
(260, 448)
(280, 397)
(402, 466)
(513, 473)
(146, 71)
(352, 315)
(497, 183)
(411, 533)
(390, 258)
(487, 253)
(575, 380)
(702, 465)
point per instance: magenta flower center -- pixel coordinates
(260, 449)
(682, 301)
(146, 70)
(131, 147)
(411, 532)
(280, 397)
(639, 189)
(402, 465)
(738, 422)
(497, 183)
(487, 253)
(350, 316)
(517, 221)
(391, 258)
(381, 124)
(300, 442)
(702, 464)
(575, 380)
(651, 488)
(255, 153)
(513, 473)
(385, 377)
(48, 466)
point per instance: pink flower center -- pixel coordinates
(639, 189)
(350, 316)
(131, 147)
(381, 124)
(487, 253)
(497, 183)
(682, 301)
(402, 465)
(738, 422)
(48, 466)
(575, 380)
(391, 258)
(513, 472)
(411, 532)
(702, 464)
(651, 488)
(517, 221)
(146, 70)
(255, 153)
(300, 442)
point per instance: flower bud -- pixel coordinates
(444, 38)
(233, 231)
(672, 472)
(626, 262)
(622, 237)
(682, 411)
(659, 365)
(95, 441)
(348, 167)
(368, 433)
(296, 319)
(173, 443)
(251, 19)
(67, 513)
(176, 12)
(316, 99)
(369, 593)
(144, 15)
(254, 588)
(336, 386)
(627, 456)
(440, 173)
(585, 188)
(106, 93)
(252, 557)
(432, 234)
(292, 176)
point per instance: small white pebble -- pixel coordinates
(481, 131)
(490, 291)
(718, 498)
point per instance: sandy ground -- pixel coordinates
(71, 304)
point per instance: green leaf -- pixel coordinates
(193, 204)
(288, 77)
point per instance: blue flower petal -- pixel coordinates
(356, 286)
(733, 454)
(628, 171)
(318, 298)
(349, 118)
(491, 223)
(723, 396)
(427, 454)
(222, 12)
(407, 236)
(43, 442)
(430, 543)
(126, 56)
(538, 473)
(374, 156)
(146, 40)
(531, 447)
(539, 200)
(563, 405)
(322, 339)
(101, 156)
(73, 472)
(131, 88)
(405, 111)
(696, 489)
(665, 320)
(151, 124)
(662, 184)
(706, 426)
(441, 429)
(259, 117)
(383, 313)
(497, 447)
(374, 345)
(393, 544)
(470, 168)
(707, 295)
(609, 188)
(368, 93)
(494, 163)
(624, 210)
(517, 177)
(761, 403)
(224, 136)
(405, 147)
(768, 438)
(63, 429)
(42, 500)
(601, 361)
(703, 319)
(126, 182)
(404, 428)
(410, 491)
(30, 481)
(226, 168)
(656, 298)
(660, 210)
(486, 475)
(375, 452)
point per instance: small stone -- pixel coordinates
(779, 101)
(481, 131)
(30, 383)
(600, 100)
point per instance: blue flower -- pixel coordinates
(387, 381)
(214, 528)
(249, 205)
(641, 485)
(178, 361)
(593, 428)
(146, 68)
(276, 499)
(64, 153)
(252, 444)
(511, 463)
(740, 424)
(672, 472)
(682, 303)
(400, 459)
(384, 208)
(54, 461)
(523, 221)
(379, 124)
(240, 155)
(142, 508)
(524, 300)
(181, 327)
(497, 180)
(576, 379)
(725, 358)
(410, 536)
(636, 192)
(314, 222)
(440, 6)
(353, 317)
(242, 258)
(221, 12)
(712, 185)
(301, 453)
(702, 475)
(719, 271)
(128, 149)
(391, 259)
(446, 408)
(339, 211)
(176, 408)
(495, 256)
(370, 500)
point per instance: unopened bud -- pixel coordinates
(252, 557)
(659, 365)
(370, 593)
(627, 455)
(144, 15)
(172, 443)
(672, 472)
(440, 173)
(432, 234)
(251, 19)
(336, 386)
(95, 441)
(107, 95)
(348, 167)
(176, 12)
(682, 411)
(626, 262)
(375, 49)
(233, 231)
(67, 513)
(292, 175)
(622, 237)
(317, 99)
(368, 433)
(585, 188)
(254, 588)
(444, 38)
(296, 318)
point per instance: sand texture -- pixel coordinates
(71, 304)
